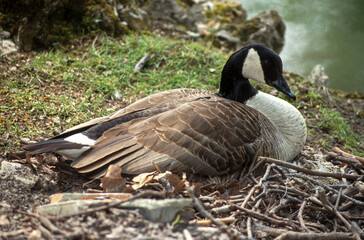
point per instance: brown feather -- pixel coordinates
(192, 130)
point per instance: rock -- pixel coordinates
(4, 221)
(318, 76)
(4, 34)
(103, 15)
(154, 210)
(170, 11)
(224, 12)
(267, 28)
(8, 47)
(20, 172)
(226, 40)
(136, 18)
(159, 210)
(62, 197)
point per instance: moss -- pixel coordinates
(59, 33)
(100, 16)
(226, 13)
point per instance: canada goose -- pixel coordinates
(195, 131)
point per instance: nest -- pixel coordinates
(306, 200)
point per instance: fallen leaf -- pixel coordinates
(113, 181)
(233, 188)
(142, 179)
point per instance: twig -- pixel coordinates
(338, 198)
(345, 159)
(252, 190)
(209, 222)
(249, 227)
(202, 210)
(338, 150)
(308, 171)
(187, 235)
(338, 214)
(290, 235)
(249, 221)
(16, 233)
(300, 218)
(140, 65)
(47, 234)
(260, 216)
(327, 187)
(223, 209)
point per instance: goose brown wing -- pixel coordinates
(153, 101)
(203, 136)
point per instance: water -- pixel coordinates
(326, 32)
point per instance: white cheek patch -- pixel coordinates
(252, 66)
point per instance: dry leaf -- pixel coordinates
(113, 181)
(142, 179)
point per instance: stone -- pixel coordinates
(20, 172)
(4, 34)
(267, 28)
(8, 47)
(171, 11)
(226, 40)
(151, 209)
(318, 76)
(136, 18)
(224, 11)
(4, 221)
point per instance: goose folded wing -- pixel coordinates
(207, 137)
(140, 107)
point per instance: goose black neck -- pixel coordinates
(233, 85)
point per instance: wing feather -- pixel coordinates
(200, 133)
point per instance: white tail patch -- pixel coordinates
(252, 66)
(72, 154)
(80, 139)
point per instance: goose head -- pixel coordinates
(255, 62)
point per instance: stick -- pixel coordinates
(338, 150)
(308, 171)
(338, 214)
(187, 234)
(345, 159)
(300, 218)
(262, 217)
(209, 222)
(357, 202)
(140, 65)
(264, 178)
(202, 210)
(290, 235)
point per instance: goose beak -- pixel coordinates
(281, 85)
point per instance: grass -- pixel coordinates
(340, 129)
(45, 93)
(69, 85)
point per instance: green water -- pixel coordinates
(326, 32)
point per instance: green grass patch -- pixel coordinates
(58, 89)
(333, 123)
